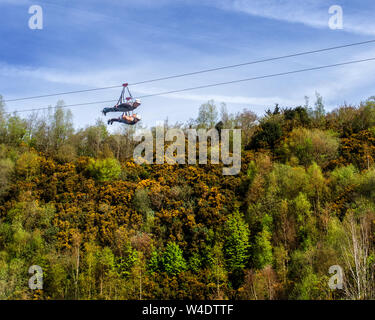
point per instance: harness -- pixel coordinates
(124, 99)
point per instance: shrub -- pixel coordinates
(312, 146)
(104, 169)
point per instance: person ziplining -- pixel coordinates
(125, 105)
(126, 119)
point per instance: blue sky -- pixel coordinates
(91, 43)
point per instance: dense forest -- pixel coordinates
(74, 202)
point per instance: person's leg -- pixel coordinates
(107, 110)
(110, 121)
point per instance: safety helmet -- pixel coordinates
(138, 117)
(138, 101)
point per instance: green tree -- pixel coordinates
(104, 169)
(61, 126)
(269, 133)
(154, 261)
(92, 140)
(66, 153)
(317, 186)
(312, 146)
(208, 115)
(311, 287)
(6, 170)
(105, 265)
(173, 260)
(236, 245)
(287, 181)
(27, 165)
(305, 220)
(15, 131)
(219, 273)
(125, 263)
(319, 110)
(263, 249)
(343, 178)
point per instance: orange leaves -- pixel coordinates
(119, 192)
(47, 166)
(211, 197)
(145, 184)
(359, 149)
(130, 164)
(190, 220)
(169, 214)
(63, 235)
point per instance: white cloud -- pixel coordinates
(347, 79)
(313, 13)
(93, 78)
(331, 83)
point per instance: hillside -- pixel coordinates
(102, 227)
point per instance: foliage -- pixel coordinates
(173, 261)
(312, 146)
(236, 244)
(208, 115)
(269, 133)
(104, 169)
(103, 227)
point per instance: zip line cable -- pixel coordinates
(209, 85)
(198, 72)
(259, 78)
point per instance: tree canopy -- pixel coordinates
(103, 227)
